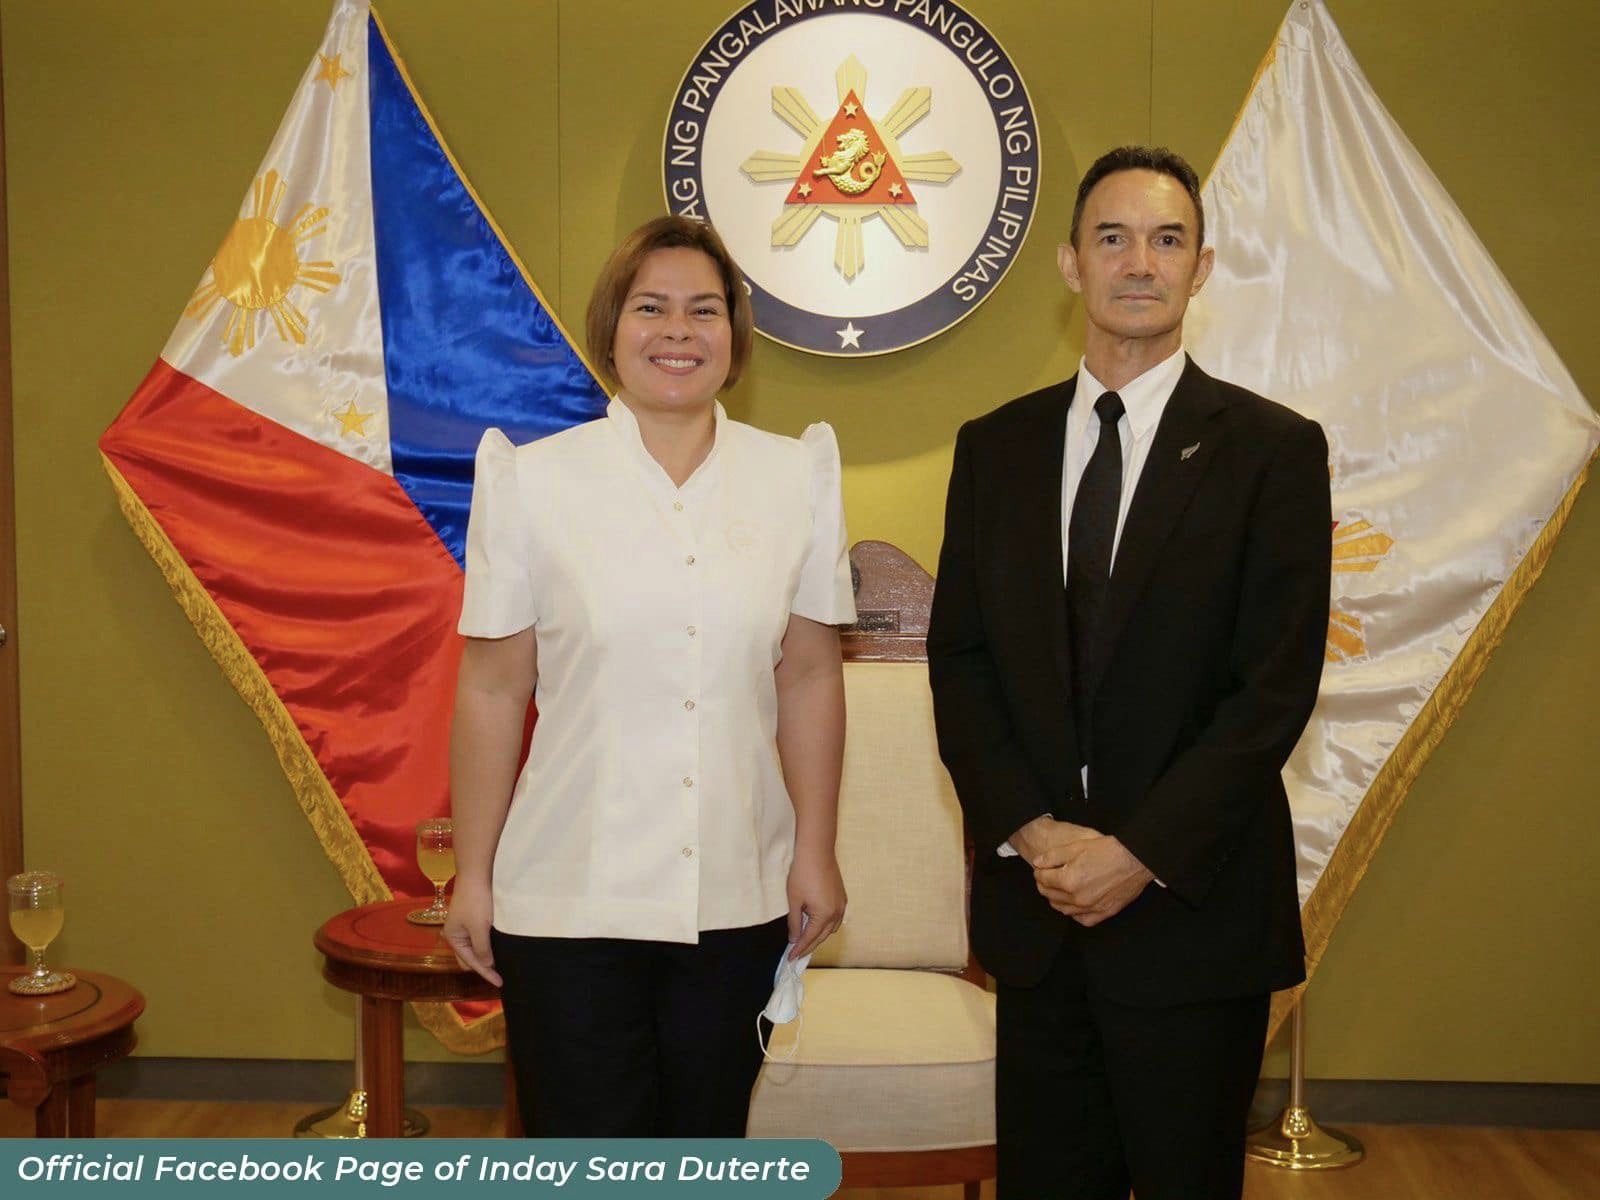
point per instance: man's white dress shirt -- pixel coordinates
(1144, 399)
(652, 804)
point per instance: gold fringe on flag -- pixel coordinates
(1372, 819)
(317, 799)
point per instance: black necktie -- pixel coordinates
(1091, 534)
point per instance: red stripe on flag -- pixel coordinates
(332, 579)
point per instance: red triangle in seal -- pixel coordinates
(851, 164)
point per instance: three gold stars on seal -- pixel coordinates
(902, 218)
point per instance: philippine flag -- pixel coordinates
(299, 459)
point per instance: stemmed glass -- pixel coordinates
(436, 855)
(36, 918)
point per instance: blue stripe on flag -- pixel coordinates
(466, 343)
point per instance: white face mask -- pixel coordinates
(788, 993)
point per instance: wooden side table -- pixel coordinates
(51, 1046)
(376, 953)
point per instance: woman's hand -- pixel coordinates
(466, 929)
(817, 889)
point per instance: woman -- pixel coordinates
(667, 582)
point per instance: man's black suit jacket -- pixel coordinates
(1215, 625)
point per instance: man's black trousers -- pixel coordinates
(1094, 1097)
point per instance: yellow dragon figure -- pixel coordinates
(842, 165)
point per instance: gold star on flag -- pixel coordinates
(896, 190)
(804, 189)
(332, 71)
(851, 109)
(352, 420)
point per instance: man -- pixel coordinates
(1126, 642)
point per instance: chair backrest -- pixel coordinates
(900, 843)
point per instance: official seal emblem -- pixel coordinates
(872, 164)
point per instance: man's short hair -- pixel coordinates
(617, 276)
(1142, 158)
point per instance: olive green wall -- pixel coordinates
(133, 131)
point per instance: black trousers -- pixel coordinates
(611, 1037)
(1092, 1097)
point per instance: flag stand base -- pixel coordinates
(1294, 1140)
(349, 1120)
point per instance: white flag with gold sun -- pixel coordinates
(286, 318)
(1349, 287)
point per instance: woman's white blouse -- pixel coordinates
(652, 804)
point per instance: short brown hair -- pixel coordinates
(617, 276)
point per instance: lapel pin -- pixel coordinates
(1187, 451)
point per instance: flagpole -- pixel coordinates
(1293, 1139)
(349, 1120)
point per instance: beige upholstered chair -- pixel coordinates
(895, 1065)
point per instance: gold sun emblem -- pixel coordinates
(1357, 546)
(257, 265)
(851, 168)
